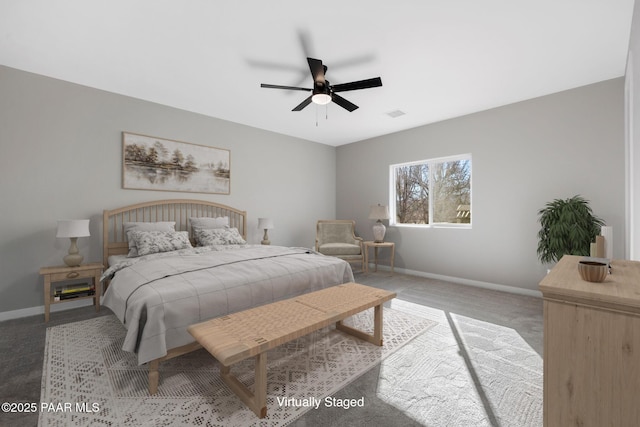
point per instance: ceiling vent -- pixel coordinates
(395, 113)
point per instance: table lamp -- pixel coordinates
(265, 224)
(73, 228)
(379, 212)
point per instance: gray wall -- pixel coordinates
(524, 155)
(61, 159)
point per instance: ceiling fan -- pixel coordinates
(323, 92)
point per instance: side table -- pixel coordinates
(377, 245)
(65, 273)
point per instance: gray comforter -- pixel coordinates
(158, 297)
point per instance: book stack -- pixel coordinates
(74, 291)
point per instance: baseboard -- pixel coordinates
(467, 282)
(34, 311)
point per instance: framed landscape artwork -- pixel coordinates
(150, 163)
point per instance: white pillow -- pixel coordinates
(208, 222)
(145, 226)
(218, 236)
(153, 242)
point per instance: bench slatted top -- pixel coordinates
(237, 336)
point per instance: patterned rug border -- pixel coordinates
(191, 392)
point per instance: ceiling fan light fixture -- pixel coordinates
(321, 98)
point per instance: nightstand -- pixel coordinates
(376, 246)
(63, 273)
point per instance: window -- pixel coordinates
(432, 192)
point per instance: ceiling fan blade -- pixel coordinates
(303, 104)
(305, 42)
(349, 106)
(360, 84)
(317, 70)
(285, 87)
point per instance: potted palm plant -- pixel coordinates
(568, 226)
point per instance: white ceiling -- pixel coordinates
(438, 59)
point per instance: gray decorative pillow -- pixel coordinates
(153, 242)
(145, 226)
(218, 236)
(207, 222)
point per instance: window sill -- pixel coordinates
(424, 226)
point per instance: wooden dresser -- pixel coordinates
(591, 346)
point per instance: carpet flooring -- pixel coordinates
(481, 363)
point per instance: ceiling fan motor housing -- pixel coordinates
(322, 88)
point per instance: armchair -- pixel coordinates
(337, 238)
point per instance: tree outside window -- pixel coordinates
(432, 192)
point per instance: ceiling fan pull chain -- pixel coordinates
(316, 116)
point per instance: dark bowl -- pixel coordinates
(592, 271)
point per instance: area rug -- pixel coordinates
(88, 380)
(471, 373)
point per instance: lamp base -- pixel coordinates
(379, 231)
(265, 239)
(73, 260)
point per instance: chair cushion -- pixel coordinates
(339, 249)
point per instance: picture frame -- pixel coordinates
(160, 164)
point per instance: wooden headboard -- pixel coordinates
(114, 240)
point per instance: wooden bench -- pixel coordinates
(251, 333)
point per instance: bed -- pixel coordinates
(173, 263)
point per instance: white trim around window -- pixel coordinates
(431, 193)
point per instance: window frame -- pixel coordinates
(429, 162)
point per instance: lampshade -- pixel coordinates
(379, 212)
(73, 228)
(265, 224)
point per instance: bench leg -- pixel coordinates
(256, 401)
(376, 338)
